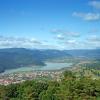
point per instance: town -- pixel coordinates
(18, 77)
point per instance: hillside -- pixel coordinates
(68, 88)
(20, 57)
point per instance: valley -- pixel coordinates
(25, 64)
(60, 76)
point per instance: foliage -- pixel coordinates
(69, 88)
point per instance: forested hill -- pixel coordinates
(69, 88)
(18, 57)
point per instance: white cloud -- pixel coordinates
(72, 34)
(60, 36)
(94, 39)
(87, 16)
(21, 42)
(18, 42)
(90, 42)
(95, 4)
(71, 41)
(63, 34)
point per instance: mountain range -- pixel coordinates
(11, 58)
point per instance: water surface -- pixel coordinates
(49, 66)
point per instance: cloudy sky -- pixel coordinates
(50, 24)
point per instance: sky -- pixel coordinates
(50, 24)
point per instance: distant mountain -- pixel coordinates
(14, 58)
(20, 57)
(88, 53)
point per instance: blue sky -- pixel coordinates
(50, 24)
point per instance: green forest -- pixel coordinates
(69, 87)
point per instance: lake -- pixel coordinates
(49, 66)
